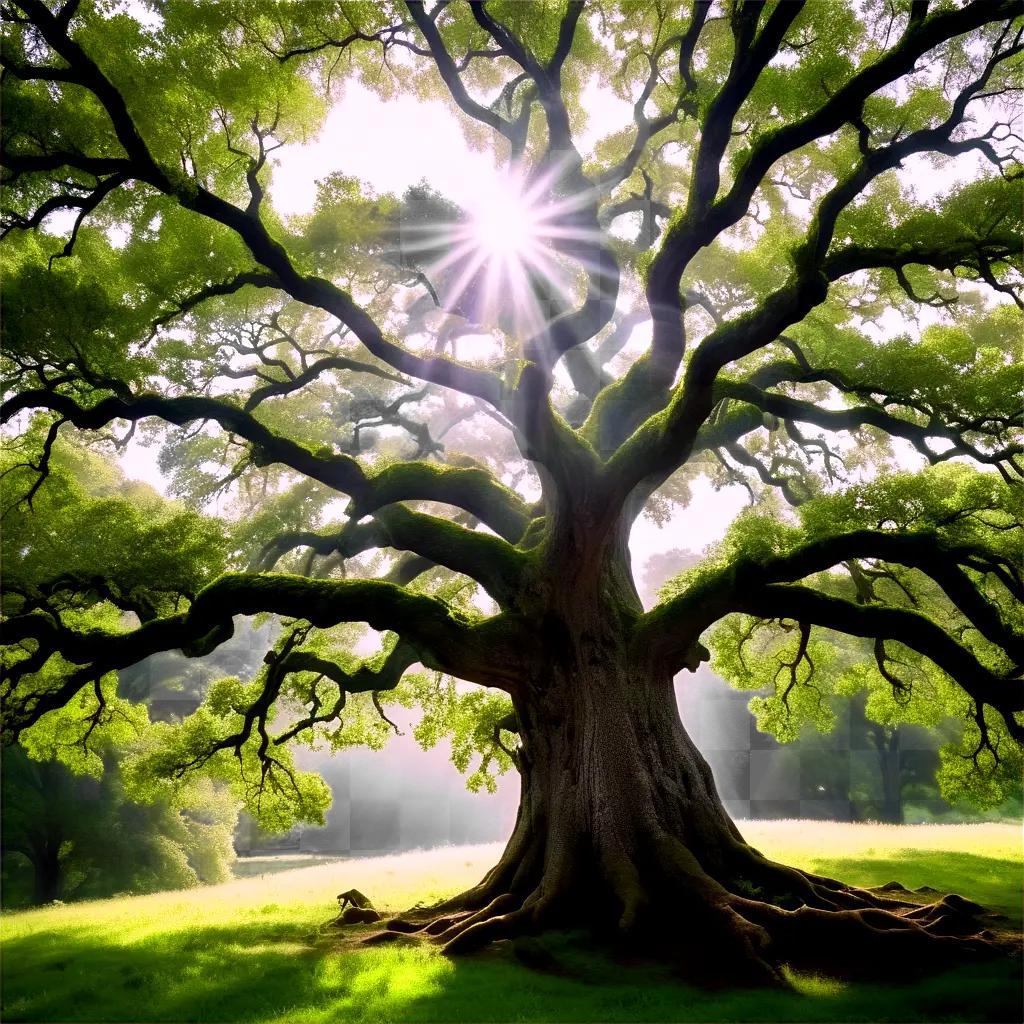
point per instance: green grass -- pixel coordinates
(259, 949)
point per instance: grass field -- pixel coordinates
(259, 948)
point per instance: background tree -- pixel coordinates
(741, 278)
(67, 836)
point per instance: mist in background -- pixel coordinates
(405, 798)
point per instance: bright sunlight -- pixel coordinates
(506, 229)
(500, 258)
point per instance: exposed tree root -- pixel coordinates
(736, 932)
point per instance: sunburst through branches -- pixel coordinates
(499, 262)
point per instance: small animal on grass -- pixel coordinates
(355, 908)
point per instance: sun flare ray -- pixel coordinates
(513, 243)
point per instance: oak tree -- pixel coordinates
(444, 424)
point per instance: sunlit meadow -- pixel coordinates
(262, 948)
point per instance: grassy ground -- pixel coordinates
(258, 949)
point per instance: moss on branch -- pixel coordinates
(471, 488)
(442, 638)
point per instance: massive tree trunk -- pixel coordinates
(621, 830)
(620, 827)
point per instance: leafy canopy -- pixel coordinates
(792, 264)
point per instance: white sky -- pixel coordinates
(389, 144)
(392, 144)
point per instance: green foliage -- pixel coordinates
(89, 536)
(981, 771)
(799, 675)
(953, 500)
(211, 87)
(94, 720)
(971, 211)
(106, 843)
(276, 795)
(44, 325)
(792, 88)
(963, 371)
(346, 226)
(960, 504)
(468, 718)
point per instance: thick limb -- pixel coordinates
(439, 637)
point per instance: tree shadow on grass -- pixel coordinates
(256, 974)
(280, 971)
(213, 973)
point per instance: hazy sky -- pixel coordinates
(392, 144)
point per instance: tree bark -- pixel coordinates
(887, 741)
(621, 830)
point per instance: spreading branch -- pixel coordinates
(473, 489)
(442, 639)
